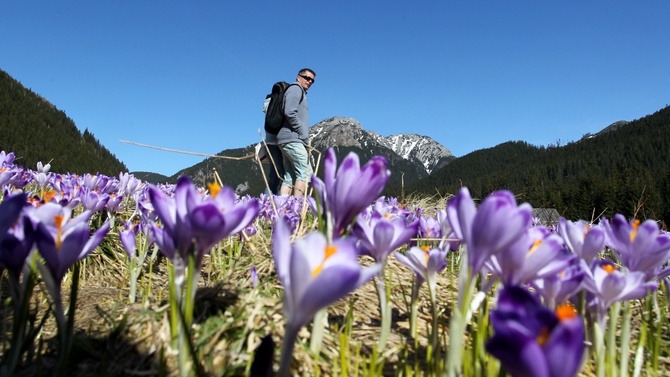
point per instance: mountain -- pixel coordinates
(612, 127)
(410, 157)
(35, 130)
(347, 132)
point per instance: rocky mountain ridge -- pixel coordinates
(347, 132)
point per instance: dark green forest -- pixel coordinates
(35, 130)
(625, 170)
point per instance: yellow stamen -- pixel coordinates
(329, 252)
(533, 248)
(609, 268)
(214, 189)
(566, 311)
(59, 230)
(633, 233)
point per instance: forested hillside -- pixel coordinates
(35, 130)
(626, 170)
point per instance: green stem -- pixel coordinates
(290, 336)
(625, 339)
(318, 328)
(611, 339)
(67, 334)
(599, 347)
(385, 311)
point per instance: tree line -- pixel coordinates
(625, 170)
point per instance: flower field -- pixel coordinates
(113, 276)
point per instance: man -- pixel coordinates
(293, 137)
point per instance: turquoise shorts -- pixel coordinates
(296, 163)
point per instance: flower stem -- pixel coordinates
(290, 336)
(318, 327)
(385, 311)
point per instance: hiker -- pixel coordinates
(293, 137)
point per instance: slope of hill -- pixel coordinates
(35, 130)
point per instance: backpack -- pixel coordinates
(274, 113)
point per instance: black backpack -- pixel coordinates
(274, 115)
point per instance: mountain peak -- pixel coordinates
(348, 132)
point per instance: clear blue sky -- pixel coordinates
(470, 74)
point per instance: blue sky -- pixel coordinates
(470, 74)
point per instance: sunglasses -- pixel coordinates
(310, 79)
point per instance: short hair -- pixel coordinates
(302, 71)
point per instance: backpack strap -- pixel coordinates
(301, 89)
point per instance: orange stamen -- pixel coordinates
(59, 230)
(426, 251)
(566, 311)
(329, 252)
(214, 189)
(47, 195)
(609, 268)
(633, 233)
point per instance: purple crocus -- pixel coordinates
(346, 191)
(497, 224)
(536, 254)
(311, 264)
(16, 235)
(380, 236)
(531, 340)
(62, 240)
(426, 264)
(583, 239)
(639, 245)
(191, 219)
(609, 284)
(560, 287)
(128, 238)
(314, 275)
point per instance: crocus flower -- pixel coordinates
(560, 287)
(536, 254)
(93, 200)
(531, 340)
(583, 239)
(189, 218)
(379, 236)
(311, 264)
(62, 240)
(128, 238)
(497, 224)
(346, 191)
(16, 236)
(426, 264)
(609, 284)
(640, 246)
(314, 274)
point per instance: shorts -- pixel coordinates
(296, 163)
